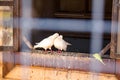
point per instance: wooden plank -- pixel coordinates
(44, 73)
(66, 60)
(114, 29)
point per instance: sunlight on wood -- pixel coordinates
(42, 73)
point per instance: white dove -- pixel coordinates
(61, 44)
(47, 43)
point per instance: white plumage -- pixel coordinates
(61, 44)
(46, 43)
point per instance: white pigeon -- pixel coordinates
(47, 43)
(61, 44)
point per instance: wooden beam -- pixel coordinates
(105, 49)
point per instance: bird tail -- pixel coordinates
(68, 43)
(35, 46)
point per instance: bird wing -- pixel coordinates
(45, 42)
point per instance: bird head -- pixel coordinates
(56, 35)
(61, 36)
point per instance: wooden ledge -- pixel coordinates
(65, 60)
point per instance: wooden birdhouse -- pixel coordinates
(93, 30)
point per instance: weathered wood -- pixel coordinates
(118, 33)
(114, 29)
(66, 60)
(16, 25)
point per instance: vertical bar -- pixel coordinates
(97, 28)
(97, 31)
(26, 27)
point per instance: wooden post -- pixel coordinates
(114, 29)
(16, 25)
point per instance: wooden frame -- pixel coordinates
(8, 52)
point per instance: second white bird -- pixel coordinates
(60, 44)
